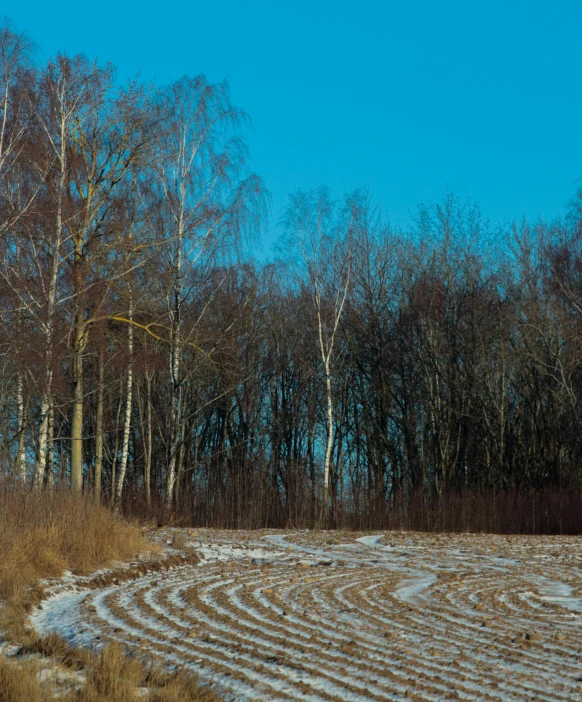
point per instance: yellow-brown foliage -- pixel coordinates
(111, 676)
(43, 533)
(18, 684)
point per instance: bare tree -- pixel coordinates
(97, 133)
(204, 203)
(325, 253)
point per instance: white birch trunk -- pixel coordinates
(329, 445)
(326, 345)
(181, 456)
(127, 418)
(45, 403)
(21, 456)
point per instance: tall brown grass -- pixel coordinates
(111, 676)
(43, 533)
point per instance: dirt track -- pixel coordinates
(328, 616)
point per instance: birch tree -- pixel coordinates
(16, 111)
(128, 410)
(16, 100)
(61, 91)
(104, 130)
(325, 257)
(205, 200)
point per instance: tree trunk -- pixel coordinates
(98, 477)
(21, 456)
(77, 420)
(176, 382)
(51, 448)
(148, 446)
(127, 419)
(50, 314)
(180, 465)
(329, 444)
(45, 403)
(174, 446)
(116, 449)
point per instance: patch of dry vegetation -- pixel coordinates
(111, 676)
(115, 676)
(19, 684)
(42, 534)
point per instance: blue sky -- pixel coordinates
(409, 99)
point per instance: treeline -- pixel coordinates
(369, 376)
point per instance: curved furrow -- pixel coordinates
(328, 617)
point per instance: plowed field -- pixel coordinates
(337, 616)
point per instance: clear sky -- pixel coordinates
(481, 98)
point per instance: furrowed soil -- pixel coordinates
(338, 616)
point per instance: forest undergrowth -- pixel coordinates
(537, 512)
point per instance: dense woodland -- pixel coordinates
(146, 359)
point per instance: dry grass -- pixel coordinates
(118, 677)
(111, 676)
(180, 541)
(45, 533)
(17, 684)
